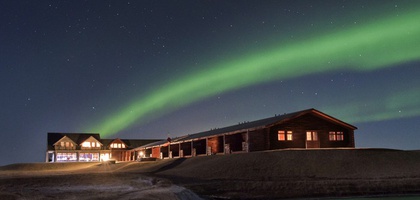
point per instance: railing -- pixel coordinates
(90, 148)
(64, 148)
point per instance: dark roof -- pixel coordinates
(258, 124)
(131, 143)
(106, 142)
(78, 138)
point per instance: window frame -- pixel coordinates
(336, 136)
(313, 136)
(284, 135)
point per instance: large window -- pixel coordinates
(336, 136)
(66, 157)
(285, 135)
(311, 136)
(88, 157)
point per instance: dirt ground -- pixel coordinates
(85, 181)
(260, 175)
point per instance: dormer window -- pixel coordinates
(91, 144)
(66, 144)
(118, 146)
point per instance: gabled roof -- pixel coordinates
(64, 138)
(258, 124)
(97, 140)
(78, 138)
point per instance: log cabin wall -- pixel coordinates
(156, 152)
(310, 122)
(117, 154)
(257, 140)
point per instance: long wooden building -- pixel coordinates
(306, 129)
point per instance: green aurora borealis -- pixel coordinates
(379, 44)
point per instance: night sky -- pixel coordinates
(153, 69)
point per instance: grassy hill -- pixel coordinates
(300, 173)
(273, 174)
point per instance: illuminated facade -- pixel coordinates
(306, 129)
(89, 147)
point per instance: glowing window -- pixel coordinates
(332, 136)
(65, 157)
(285, 135)
(311, 135)
(281, 136)
(89, 157)
(289, 135)
(86, 144)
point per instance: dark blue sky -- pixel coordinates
(67, 66)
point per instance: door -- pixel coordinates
(312, 140)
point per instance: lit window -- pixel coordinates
(86, 144)
(64, 157)
(332, 136)
(289, 135)
(285, 135)
(340, 136)
(119, 145)
(281, 136)
(336, 136)
(311, 136)
(62, 144)
(123, 146)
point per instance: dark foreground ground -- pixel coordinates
(259, 175)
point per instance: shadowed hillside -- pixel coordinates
(259, 175)
(301, 173)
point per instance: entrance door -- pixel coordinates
(312, 140)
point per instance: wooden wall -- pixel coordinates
(156, 152)
(258, 140)
(310, 122)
